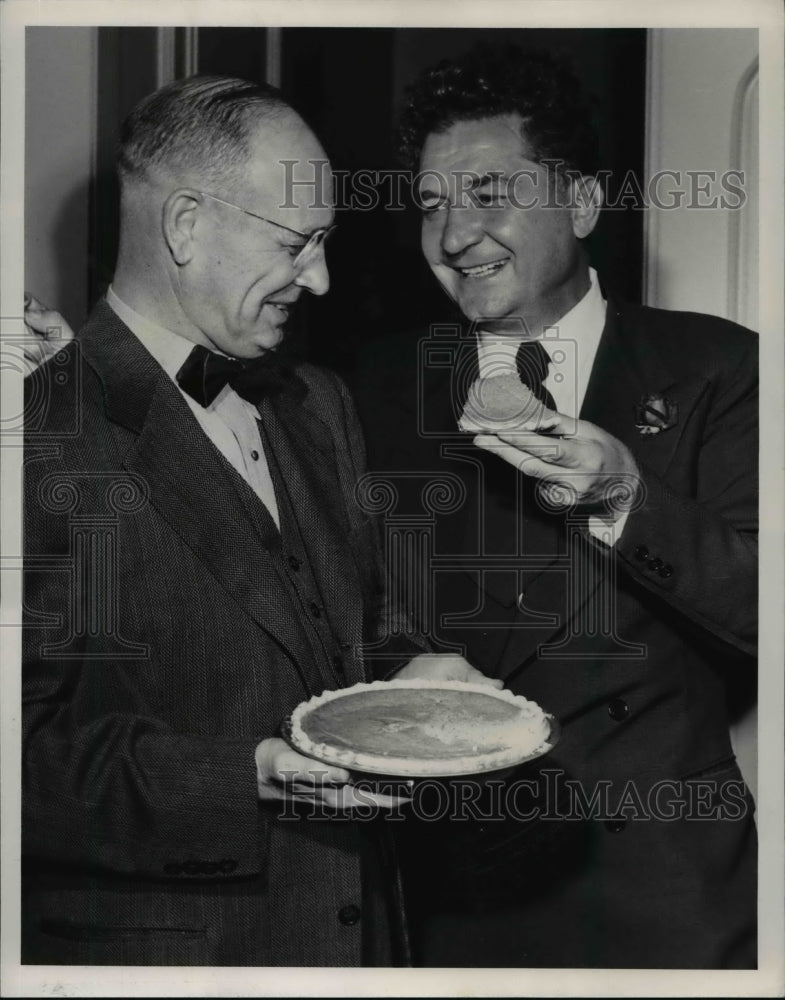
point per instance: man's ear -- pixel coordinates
(179, 220)
(587, 201)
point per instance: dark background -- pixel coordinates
(348, 83)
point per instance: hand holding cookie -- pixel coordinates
(585, 463)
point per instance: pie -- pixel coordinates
(421, 727)
(503, 402)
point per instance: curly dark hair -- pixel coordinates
(489, 81)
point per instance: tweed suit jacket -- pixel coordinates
(638, 650)
(163, 641)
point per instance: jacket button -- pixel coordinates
(655, 564)
(316, 611)
(615, 825)
(349, 915)
(618, 709)
(192, 868)
(641, 553)
(172, 868)
(227, 866)
(294, 562)
(209, 867)
(666, 571)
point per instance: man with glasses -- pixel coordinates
(196, 566)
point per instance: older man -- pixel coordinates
(621, 596)
(196, 567)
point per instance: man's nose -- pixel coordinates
(314, 276)
(461, 230)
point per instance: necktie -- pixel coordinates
(204, 373)
(532, 363)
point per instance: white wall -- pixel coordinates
(702, 115)
(697, 119)
(60, 82)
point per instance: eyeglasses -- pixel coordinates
(312, 242)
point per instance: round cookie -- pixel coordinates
(503, 402)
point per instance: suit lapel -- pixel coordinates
(304, 450)
(190, 484)
(626, 369)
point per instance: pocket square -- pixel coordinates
(655, 413)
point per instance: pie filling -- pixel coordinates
(420, 727)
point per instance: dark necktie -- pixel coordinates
(532, 363)
(204, 373)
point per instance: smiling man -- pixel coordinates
(601, 562)
(483, 258)
(196, 566)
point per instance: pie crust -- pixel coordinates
(420, 728)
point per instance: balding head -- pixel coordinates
(199, 129)
(222, 185)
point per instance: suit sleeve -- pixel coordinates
(699, 553)
(119, 791)
(393, 639)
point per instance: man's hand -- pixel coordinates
(586, 466)
(444, 667)
(49, 332)
(282, 773)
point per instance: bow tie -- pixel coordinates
(204, 373)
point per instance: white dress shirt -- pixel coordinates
(571, 345)
(230, 421)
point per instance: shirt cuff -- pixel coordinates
(607, 533)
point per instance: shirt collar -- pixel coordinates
(582, 324)
(169, 349)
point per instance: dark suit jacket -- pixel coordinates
(166, 636)
(632, 649)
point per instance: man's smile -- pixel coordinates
(281, 306)
(482, 270)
